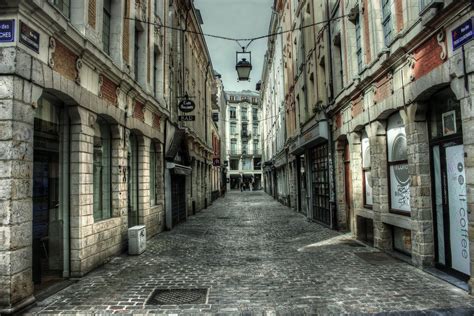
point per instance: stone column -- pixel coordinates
(144, 183)
(418, 150)
(16, 170)
(340, 184)
(355, 148)
(119, 179)
(81, 177)
(378, 158)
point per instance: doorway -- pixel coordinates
(132, 195)
(449, 186)
(348, 186)
(50, 194)
(302, 188)
(178, 199)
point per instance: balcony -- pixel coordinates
(243, 152)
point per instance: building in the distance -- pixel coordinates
(244, 153)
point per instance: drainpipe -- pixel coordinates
(332, 148)
(206, 129)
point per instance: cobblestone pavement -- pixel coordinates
(258, 257)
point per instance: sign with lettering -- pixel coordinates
(29, 37)
(216, 162)
(186, 106)
(7, 31)
(462, 34)
(186, 118)
(215, 117)
(457, 201)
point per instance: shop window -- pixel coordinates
(445, 115)
(102, 170)
(399, 178)
(154, 180)
(106, 26)
(387, 21)
(366, 171)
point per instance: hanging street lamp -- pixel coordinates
(243, 66)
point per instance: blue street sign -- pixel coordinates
(7, 31)
(462, 34)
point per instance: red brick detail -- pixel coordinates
(399, 14)
(383, 88)
(65, 61)
(156, 121)
(109, 90)
(139, 111)
(368, 56)
(357, 106)
(339, 120)
(91, 17)
(126, 33)
(427, 57)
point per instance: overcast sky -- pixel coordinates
(235, 19)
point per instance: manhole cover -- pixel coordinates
(375, 258)
(178, 297)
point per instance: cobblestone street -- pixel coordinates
(255, 256)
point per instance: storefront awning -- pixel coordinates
(178, 137)
(179, 169)
(315, 134)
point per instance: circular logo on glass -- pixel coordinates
(460, 167)
(461, 180)
(399, 152)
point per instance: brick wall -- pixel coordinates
(65, 61)
(383, 89)
(108, 90)
(357, 106)
(427, 57)
(92, 13)
(126, 32)
(399, 14)
(339, 120)
(139, 111)
(156, 121)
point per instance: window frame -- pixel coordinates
(365, 170)
(106, 12)
(387, 21)
(389, 174)
(60, 5)
(104, 187)
(358, 32)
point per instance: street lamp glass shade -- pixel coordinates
(243, 68)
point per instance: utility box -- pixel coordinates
(136, 240)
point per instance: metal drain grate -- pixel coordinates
(178, 297)
(375, 258)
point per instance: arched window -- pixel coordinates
(398, 165)
(366, 170)
(102, 170)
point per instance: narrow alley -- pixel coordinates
(249, 254)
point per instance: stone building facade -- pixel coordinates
(389, 88)
(88, 99)
(243, 130)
